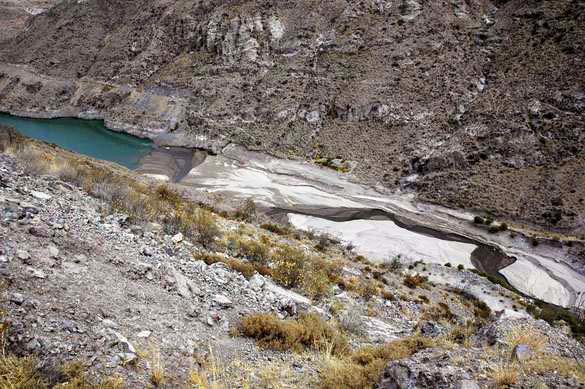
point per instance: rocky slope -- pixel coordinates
(82, 283)
(474, 104)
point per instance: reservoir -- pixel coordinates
(88, 137)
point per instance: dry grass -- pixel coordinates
(527, 335)
(505, 375)
(565, 367)
(20, 373)
(362, 368)
(308, 331)
(122, 193)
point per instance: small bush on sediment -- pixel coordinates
(363, 367)
(308, 331)
(414, 281)
(394, 265)
(276, 229)
(246, 212)
(323, 242)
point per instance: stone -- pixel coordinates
(79, 258)
(36, 273)
(378, 330)
(257, 281)
(153, 228)
(397, 376)
(222, 300)
(286, 294)
(147, 251)
(22, 255)
(200, 266)
(127, 347)
(53, 251)
(17, 298)
(467, 384)
(428, 328)
(521, 352)
(41, 195)
(212, 318)
(177, 238)
(144, 334)
(109, 323)
(40, 232)
(183, 285)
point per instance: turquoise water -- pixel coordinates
(88, 137)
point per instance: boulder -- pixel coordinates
(521, 353)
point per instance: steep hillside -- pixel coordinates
(107, 278)
(471, 103)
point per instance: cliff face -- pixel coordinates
(478, 104)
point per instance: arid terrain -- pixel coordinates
(473, 104)
(359, 194)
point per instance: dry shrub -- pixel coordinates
(10, 140)
(276, 229)
(71, 173)
(527, 335)
(308, 331)
(324, 240)
(362, 369)
(543, 364)
(438, 312)
(206, 227)
(351, 322)
(414, 281)
(246, 212)
(289, 264)
(367, 289)
(208, 258)
(245, 268)
(76, 378)
(20, 373)
(254, 251)
(33, 162)
(505, 376)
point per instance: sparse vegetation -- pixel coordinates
(414, 281)
(309, 331)
(276, 229)
(363, 367)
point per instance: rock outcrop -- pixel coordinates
(477, 103)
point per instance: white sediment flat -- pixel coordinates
(288, 184)
(531, 279)
(381, 240)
